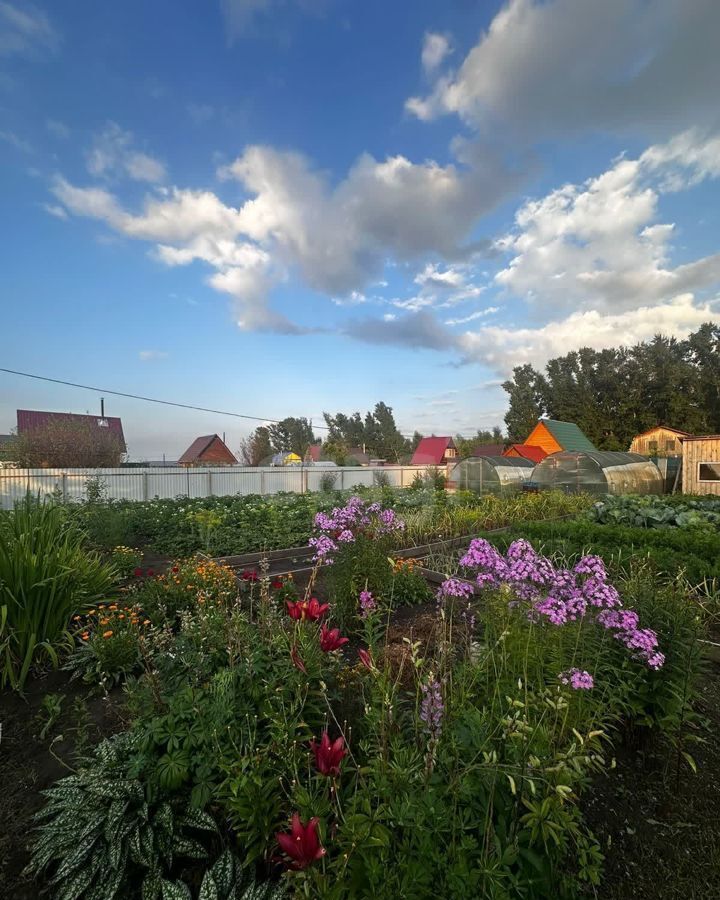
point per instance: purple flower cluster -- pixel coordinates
(367, 604)
(560, 596)
(578, 679)
(432, 708)
(345, 523)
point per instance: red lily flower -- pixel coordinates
(328, 756)
(302, 844)
(296, 661)
(312, 609)
(330, 639)
(150, 573)
(276, 585)
(366, 659)
(175, 570)
(137, 572)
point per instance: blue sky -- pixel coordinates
(280, 207)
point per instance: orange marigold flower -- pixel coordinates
(146, 622)
(85, 636)
(107, 634)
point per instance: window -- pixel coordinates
(709, 471)
(450, 452)
(670, 445)
(103, 423)
(653, 445)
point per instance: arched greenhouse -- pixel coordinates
(490, 474)
(598, 472)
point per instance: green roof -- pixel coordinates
(568, 435)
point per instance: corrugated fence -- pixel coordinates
(164, 483)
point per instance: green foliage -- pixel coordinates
(658, 512)
(100, 833)
(125, 560)
(46, 574)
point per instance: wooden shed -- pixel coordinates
(208, 450)
(659, 441)
(553, 436)
(701, 464)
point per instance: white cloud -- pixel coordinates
(436, 47)
(550, 66)
(26, 31)
(479, 314)
(599, 245)
(151, 355)
(240, 16)
(501, 348)
(113, 154)
(54, 210)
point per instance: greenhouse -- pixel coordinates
(598, 472)
(490, 474)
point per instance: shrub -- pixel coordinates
(125, 560)
(187, 584)
(107, 643)
(46, 575)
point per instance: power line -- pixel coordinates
(87, 387)
(217, 412)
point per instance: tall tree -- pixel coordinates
(256, 449)
(526, 402)
(291, 435)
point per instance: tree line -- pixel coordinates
(615, 394)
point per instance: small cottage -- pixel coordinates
(434, 451)
(659, 441)
(208, 450)
(701, 464)
(553, 436)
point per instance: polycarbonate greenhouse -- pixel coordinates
(491, 474)
(599, 472)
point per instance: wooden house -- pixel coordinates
(701, 464)
(208, 450)
(553, 436)
(659, 441)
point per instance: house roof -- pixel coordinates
(702, 437)
(359, 455)
(527, 451)
(200, 445)
(568, 435)
(664, 428)
(34, 420)
(488, 450)
(431, 450)
(313, 452)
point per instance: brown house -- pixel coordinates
(208, 450)
(701, 464)
(659, 441)
(29, 420)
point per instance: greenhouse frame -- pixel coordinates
(598, 472)
(491, 474)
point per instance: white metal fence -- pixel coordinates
(164, 483)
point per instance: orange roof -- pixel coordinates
(527, 451)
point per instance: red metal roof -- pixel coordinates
(313, 452)
(201, 445)
(431, 451)
(34, 420)
(527, 451)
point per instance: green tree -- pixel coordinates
(256, 449)
(291, 435)
(526, 390)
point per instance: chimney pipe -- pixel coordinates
(102, 407)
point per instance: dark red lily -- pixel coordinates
(302, 843)
(312, 609)
(175, 570)
(330, 639)
(297, 661)
(249, 575)
(366, 659)
(150, 573)
(276, 585)
(137, 572)
(328, 755)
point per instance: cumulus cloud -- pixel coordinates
(113, 154)
(25, 30)
(599, 245)
(436, 47)
(151, 355)
(551, 66)
(501, 348)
